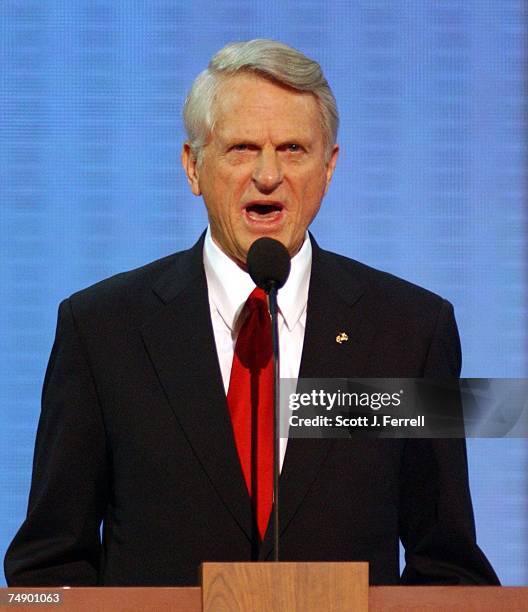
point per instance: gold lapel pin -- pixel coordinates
(341, 337)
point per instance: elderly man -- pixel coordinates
(143, 419)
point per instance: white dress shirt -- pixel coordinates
(229, 288)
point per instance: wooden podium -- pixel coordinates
(274, 587)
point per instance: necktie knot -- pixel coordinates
(257, 300)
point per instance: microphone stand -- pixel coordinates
(276, 415)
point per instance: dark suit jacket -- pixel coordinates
(135, 431)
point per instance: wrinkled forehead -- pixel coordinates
(251, 101)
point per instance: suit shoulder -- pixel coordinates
(388, 290)
(128, 292)
(410, 330)
(127, 280)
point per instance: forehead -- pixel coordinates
(249, 102)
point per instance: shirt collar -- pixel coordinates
(229, 286)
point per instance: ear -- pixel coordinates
(190, 165)
(330, 167)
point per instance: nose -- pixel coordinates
(267, 173)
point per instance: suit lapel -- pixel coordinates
(180, 343)
(334, 306)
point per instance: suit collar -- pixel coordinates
(330, 281)
(330, 272)
(335, 308)
(187, 267)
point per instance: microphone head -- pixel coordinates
(268, 263)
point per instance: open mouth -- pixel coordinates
(262, 211)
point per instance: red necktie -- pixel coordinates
(250, 401)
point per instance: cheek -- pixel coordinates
(311, 191)
(232, 186)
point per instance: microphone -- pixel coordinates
(268, 264)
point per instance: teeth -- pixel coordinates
(259, 214)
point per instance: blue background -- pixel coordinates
(431, 183)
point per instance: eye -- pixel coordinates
(241, 146)
(292, 147)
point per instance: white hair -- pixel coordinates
(271, 60)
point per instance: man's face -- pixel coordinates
(263, 171)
